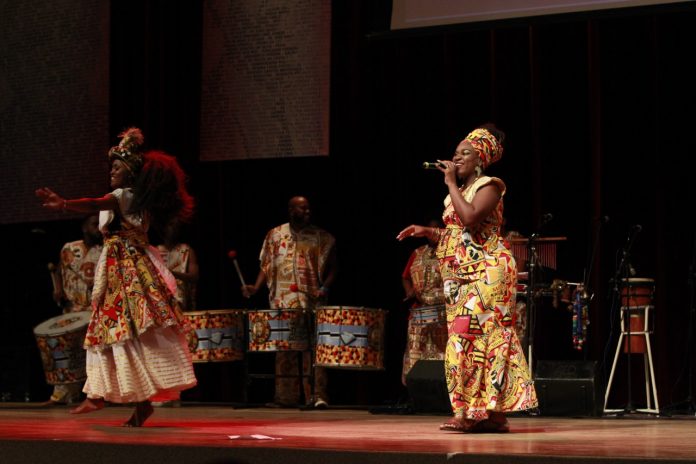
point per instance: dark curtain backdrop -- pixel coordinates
(598, 111)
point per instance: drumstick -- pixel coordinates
(232, 254)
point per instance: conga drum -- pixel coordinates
(60, 341)
(278, 330)
(350, 337)
(636, 295)
(219, 335)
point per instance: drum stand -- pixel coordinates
(650, 388)
(308, 403)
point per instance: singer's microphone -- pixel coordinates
(435, 165)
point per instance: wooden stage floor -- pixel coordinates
(224, 434)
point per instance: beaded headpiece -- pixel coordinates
(129, 149)
(489, 148)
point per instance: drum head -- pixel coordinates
(65, 323)
(639, 281)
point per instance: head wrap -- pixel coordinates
(489, 148)
(129, 149)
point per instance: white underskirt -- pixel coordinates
(157, 362)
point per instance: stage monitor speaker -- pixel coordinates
(427, 387)
(568, 388)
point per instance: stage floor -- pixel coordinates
(224, 434)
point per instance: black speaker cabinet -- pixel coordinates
(427, 387)
(568, 388)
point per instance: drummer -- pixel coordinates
(73, 280)
(298, 265)
(423, 287)
(180, 259)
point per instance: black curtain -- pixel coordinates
(597, 108)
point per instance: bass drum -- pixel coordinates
(278, 330)
(217, 336)
(350, 337)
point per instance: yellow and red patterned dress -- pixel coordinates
(485, 366)
(135, 340)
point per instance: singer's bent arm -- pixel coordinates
(480, 207)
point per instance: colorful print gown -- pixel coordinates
(135, 341)
(485, 366)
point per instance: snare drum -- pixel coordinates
(278, 330)
(219, 335)
(350, 337)
(427, 335)
(60, 342)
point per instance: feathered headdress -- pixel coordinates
(129, 149)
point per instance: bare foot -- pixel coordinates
(143, 410)
(88, 405)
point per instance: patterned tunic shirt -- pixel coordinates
(294, 264)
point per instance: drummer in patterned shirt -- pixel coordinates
(181, 260)
(73, 280)
(298, 265)
(423, 287)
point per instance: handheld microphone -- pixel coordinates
(430, 165)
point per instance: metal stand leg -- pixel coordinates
(611, 375)
(648, 369)
(649, 364)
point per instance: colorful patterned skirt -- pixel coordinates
(485, 366)
(136, 344)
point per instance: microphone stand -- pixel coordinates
(585, 294)
(531, 294)
(531, 298)
(622, 275)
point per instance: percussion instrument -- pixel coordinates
(219, 335)
(350, 337)
(427, 335)
(564, 291)
(60, 342)
(580, 310)
(636, 296)
(278, 330)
